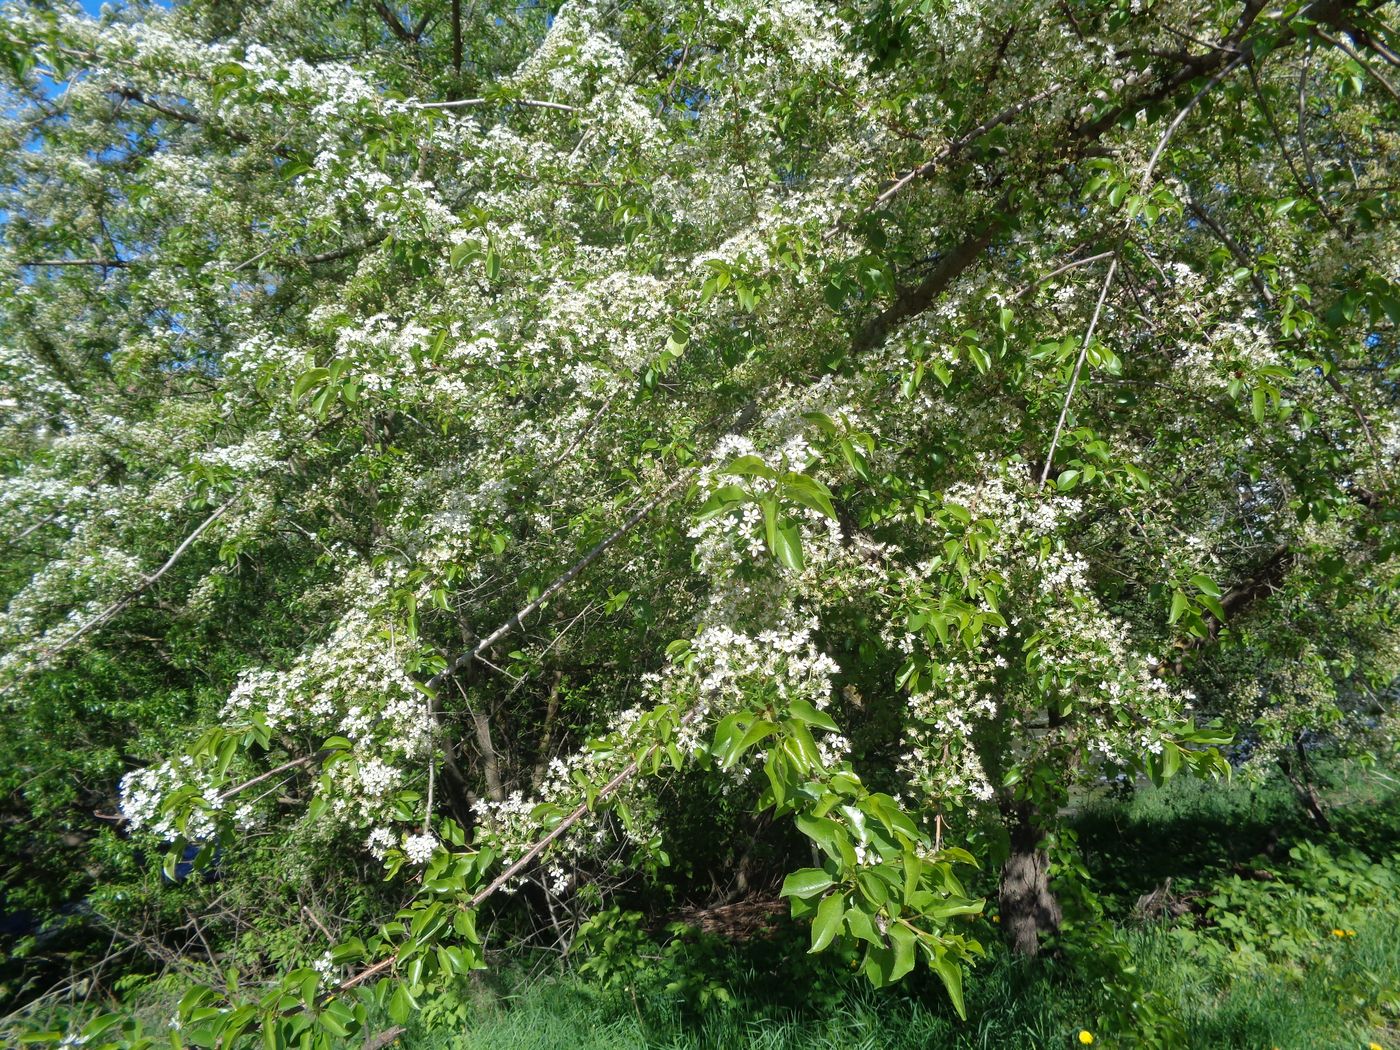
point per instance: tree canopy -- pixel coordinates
(548, 453)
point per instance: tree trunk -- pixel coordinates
(1303, 785)
(457, 37)
(1027, 905)
(542, 754)
(490, 763)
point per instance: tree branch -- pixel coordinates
(116, 607)
(391, 20)
(463, 103)
(560, 582)
(112, 263)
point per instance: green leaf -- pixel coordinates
(1205, 585)
(904, 942)
(810, 493)
(950, 973)
(804, 712)
(1171, 760)
(98, 1025)
(788, 546)
(1259, 402)
(1138, 475)
(307, 380)
(401, 1004)
(1180, 604)
(825, 832)
(950, 906)
(722, 501)
(770, 523)
(854, 459)
(750, 466)
(827, 924)
(861, 925)
(337, 1019)
(806, 882)
(760, 729)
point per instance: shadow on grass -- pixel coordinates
(1193, 832)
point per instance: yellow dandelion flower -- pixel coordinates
(1086, 1037)
(1339, 933)
(1374, 1046)
(1351, 933)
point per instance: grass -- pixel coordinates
(565, 1015)
(1008, 1010)
(1258, 969)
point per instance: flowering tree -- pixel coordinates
(888, 417)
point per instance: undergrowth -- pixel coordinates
(1264, 932)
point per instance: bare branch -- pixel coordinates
(560, 582)
(1078, 366)
(1071, 265)
(132, 95)
(341, 253)
(528, 857)
(116, 607)
(293, 764)
(959, 144)
(1144, 186)
(391, 20)
(463, 103)
(1328, 375)
(112, 263)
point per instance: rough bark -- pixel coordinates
(490, 763)
(1027, 905)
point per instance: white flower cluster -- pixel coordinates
(352, 685)
(731, 550)
(143, 791)
(732, 668)
(419, 848)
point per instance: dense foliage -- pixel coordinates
(490, 462)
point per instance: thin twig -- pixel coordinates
(587, 428)
(1265, 293)
(534, 851)
(293, 764)
(110, 263)
(1302, 183)
(1073, 264)
(1302, 120)
(959, 144)
(317, 922)
(1078, 366)
(46, 655)
(560, 582)
(462, 103)
(1359, 61)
